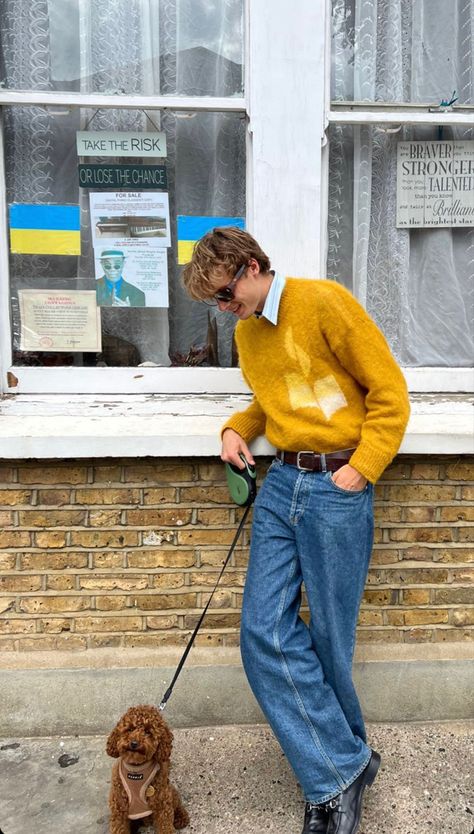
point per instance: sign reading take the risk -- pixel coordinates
(101, 143)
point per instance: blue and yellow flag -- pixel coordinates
(40, 229)
(191, 229)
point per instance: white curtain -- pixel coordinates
(418, 284)
(135, 47)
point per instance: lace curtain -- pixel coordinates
(147, 47)
(417, 284)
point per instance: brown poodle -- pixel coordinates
(140, 788)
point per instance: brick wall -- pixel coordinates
(99, 554)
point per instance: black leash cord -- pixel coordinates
(198, 626)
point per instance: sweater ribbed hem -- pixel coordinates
(371, 462)
(247, 428)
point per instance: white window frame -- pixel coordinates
(420, 379)
(287, 104)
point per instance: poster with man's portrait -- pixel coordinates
(126, 277)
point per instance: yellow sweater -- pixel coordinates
(323, 378)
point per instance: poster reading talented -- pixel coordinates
(435, 184)
(59, 320)
(135, 219)
(130, 277)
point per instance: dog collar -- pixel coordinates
(136, 780)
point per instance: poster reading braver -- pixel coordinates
(129, 277)
(56, 320)
(136, 219)
(435, 184)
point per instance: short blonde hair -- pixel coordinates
(223, 250)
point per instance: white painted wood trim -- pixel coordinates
(99, 381)
(74, 380)
(5, 322)
(58, 426)
(439, 380)
(398, 106)
(324, 235)
(286, 110)
(399, 117)
(28, 98)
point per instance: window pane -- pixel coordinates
(402, 50)
(416, 283)
(205, 168)
(140, 47)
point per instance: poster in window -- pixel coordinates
(44, 229)
(130, 277)
(193, 227)
(435, 184)
(59, 320)
(135, 219)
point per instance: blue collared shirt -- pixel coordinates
(272, 301)
(113, 285)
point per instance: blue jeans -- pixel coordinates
(306, 529)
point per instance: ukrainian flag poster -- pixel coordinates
(192, 228)
(42, 229)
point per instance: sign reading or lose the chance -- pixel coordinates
(122, 176)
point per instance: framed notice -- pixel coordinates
(435, 184)
(57, 320)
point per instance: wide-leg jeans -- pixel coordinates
(307, 529)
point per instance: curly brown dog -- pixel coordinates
(140, 788)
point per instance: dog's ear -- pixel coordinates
(111, 748)
(165, 744)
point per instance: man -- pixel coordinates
(112, 290)
(323, 380)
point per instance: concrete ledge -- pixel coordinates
(43, 694)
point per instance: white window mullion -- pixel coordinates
(286, 104)
(5, 321)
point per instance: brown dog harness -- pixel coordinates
(136, 780)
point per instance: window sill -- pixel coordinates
(159, 425)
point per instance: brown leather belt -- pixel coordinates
(314, 462)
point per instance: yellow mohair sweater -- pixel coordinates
(323, 378)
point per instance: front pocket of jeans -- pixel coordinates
(345, 491)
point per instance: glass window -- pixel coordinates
(133, 47)
(205, 170)
(402, 50)
(416, 283)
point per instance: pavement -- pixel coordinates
(235, 780)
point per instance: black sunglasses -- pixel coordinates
(226, 294)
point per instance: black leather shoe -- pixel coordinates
(346, 809)
(316, 818)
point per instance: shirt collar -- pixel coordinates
(272, 301)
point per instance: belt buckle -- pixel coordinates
(298, 464)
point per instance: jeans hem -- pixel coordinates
(328, 796)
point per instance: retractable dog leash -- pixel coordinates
(242, 485)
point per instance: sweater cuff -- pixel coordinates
(370, 462)
(243, 425)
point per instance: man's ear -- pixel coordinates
(254, 266)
